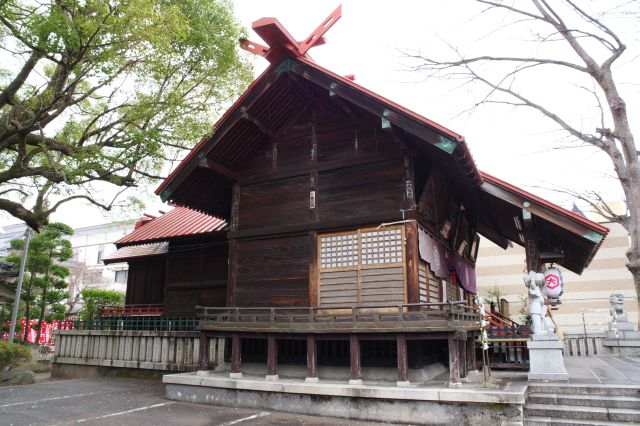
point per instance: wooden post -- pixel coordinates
(272, 357)
(454, 366)
(233, 246)
(312, 360)
(530, 242)
(471, 354)
(354, 356)
(462, 354)
(203, 365)
(313, 269)
(413, 261)
(403, 376)
(235, 356)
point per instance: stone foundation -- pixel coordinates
(369, 402)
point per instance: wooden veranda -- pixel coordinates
(454, 322)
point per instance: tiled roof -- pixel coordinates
(179, 222)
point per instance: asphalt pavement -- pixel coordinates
(118, 401)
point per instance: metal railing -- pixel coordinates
(137, 323)
(449, 311)
(130, 310)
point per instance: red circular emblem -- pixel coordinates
(552, 281)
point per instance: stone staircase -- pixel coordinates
(582, 404)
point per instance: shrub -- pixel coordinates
(13, 354)
(92, 298)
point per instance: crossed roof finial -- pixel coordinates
(281, 42)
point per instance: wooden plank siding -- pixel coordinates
(328, 168)
(272, 271)
(430, 284)
(195, 276)
(145, 282)
(423, 283)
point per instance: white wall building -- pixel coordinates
(90, 245)
(586, 294)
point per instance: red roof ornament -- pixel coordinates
(281, 42)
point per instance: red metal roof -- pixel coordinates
(564, 212)
(179, 222)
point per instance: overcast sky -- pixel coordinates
(514, 145)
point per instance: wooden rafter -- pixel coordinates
(219, 168)
(257, 122)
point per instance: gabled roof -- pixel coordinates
(560, 232)
(292, 82)
(282, 92)
(177, 223)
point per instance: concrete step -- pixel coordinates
(603, 401)
(584, 389)
(582, 413)
(549, 421)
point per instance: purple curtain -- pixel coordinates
(444, 262)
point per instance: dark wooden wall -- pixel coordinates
(329, 171)
(145, 282)
(196, 275)
(354, 167)
(273, 272)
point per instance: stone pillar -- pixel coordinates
(203, 364)
(403, 376)
(235, 357)
(454, 365)
(272, 358)
(354, 355)
(312, 360)
(546, 361)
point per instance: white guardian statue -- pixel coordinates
(537, 310)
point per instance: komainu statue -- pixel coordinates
(537, 310)
(617, 306)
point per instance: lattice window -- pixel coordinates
(381, 246)
(339, 250)
(364, 248)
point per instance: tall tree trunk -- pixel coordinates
(43, 302)
(633, 254)
(27, 308)
(43, 308)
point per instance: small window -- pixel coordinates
(100, 254)
(121, 276)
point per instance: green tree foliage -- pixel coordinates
(100, 94)
(93, 298)
(494, 295)
(45, 277)
(13, 355)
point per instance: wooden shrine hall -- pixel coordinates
(351, 227)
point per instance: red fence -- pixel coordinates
(130, 310)
(46, 336)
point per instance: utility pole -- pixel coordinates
(16, 302)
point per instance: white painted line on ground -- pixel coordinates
(244, 419)
(47, 383)
(594, 374)
(133, 410)
(609, 367)
(55, 398)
